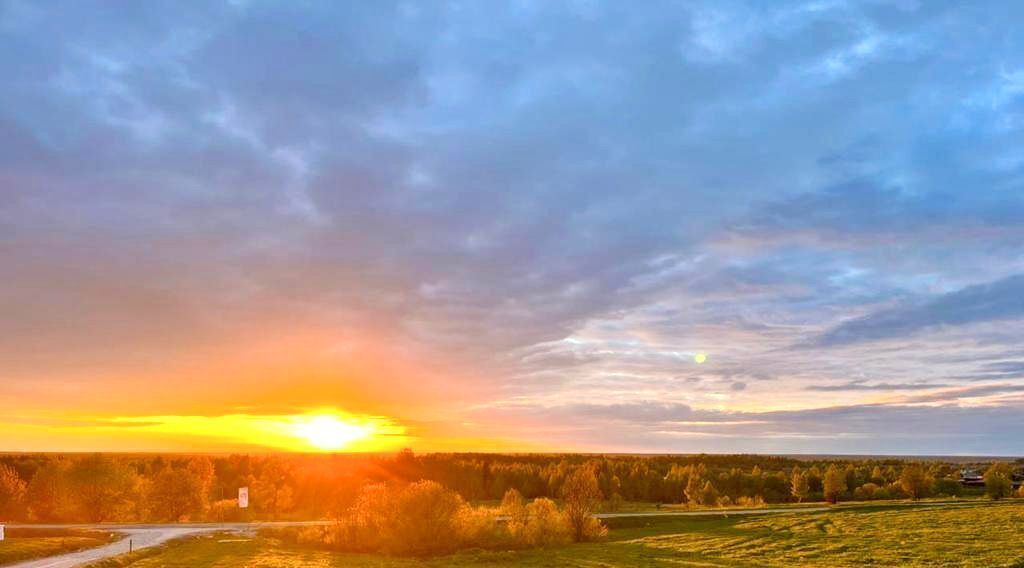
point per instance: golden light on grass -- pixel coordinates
(700, 358)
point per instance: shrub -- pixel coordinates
(423, 520)
(866, 492)
(515, 512)
(545, 524)
(225, 511)
(752, 502)
(947, 486)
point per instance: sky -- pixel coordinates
(512, 226)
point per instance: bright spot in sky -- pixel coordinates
(700, 358)
(327, 432)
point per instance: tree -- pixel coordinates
(202, 468)
(176, 494)
(694, 487)
(581, 494)
(799, 487)
(272, 490)
(915, 481)
(998, 482)
(101, 488)
(877, 477)
(708, 494)
(834, 484)
(514, 509)
(12, 493)
(48, 494)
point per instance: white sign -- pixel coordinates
(243, 497)
(1, 532)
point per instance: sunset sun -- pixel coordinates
(325, 432)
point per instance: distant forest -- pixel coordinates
(170, 487)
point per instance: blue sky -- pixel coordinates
(520, 221)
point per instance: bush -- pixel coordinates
(514, 510)
(545, 524)
(947, 486)
(225, 511)
(866, 492)
(423, 520)
(751, 502)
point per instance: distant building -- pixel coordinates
(972, 478)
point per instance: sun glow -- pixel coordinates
(319, 430)
(327, 432)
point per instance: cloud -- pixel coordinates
(861, 386)
(382, 206)
(899, 429)
(993, 301)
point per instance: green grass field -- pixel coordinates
(24, 544)
(970, 534)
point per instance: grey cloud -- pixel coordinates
(862, 386)
(994, 301)
(854, 429)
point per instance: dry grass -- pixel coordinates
(25, 544)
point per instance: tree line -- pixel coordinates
(147, 487)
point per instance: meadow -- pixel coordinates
(968, 533)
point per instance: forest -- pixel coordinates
(171, 487)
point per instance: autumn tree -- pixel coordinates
(176, 494)
(581, 495)
(48, 494)
(799, 487)
(12, 493)
(101, 488)
(514, 509)
(834, 484)
(272, 491)
(694, 489)
(708, 494)
(915, 481)
(998, 480)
